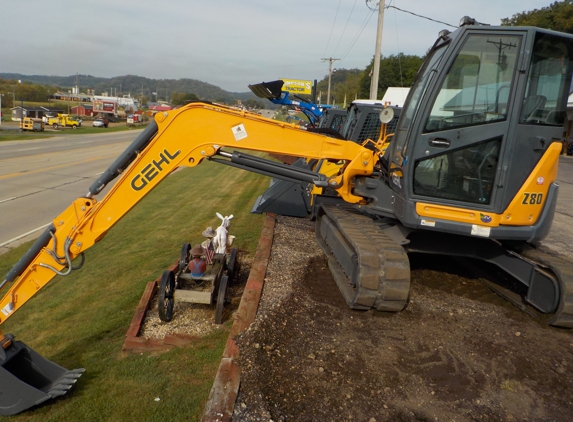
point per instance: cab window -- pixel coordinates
(548, 83)
(477, 86)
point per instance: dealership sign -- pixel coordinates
(297, 86)
(104, 106)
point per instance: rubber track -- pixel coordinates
(382, 265)
(562, 267)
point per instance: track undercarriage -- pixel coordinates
(371, 266)
(371, 270)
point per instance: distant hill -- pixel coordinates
(135, 85)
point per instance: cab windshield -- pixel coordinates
(477, 86)
(413, 102)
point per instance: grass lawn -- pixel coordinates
(81, 320)
(86, 128)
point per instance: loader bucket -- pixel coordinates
(28, 379)
(269, 90)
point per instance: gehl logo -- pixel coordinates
(152, 169)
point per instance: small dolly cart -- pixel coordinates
(207, 284)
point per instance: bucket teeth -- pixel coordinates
(62, 386)
(56, 393)
(76, 373)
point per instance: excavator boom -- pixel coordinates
(183, 137)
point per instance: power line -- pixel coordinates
(331, 29)
(367, 19)
(420, 16)
(399, 56)
(344, 30)
(357, 36)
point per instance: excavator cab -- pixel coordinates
(482, 118)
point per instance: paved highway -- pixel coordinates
(40, 178)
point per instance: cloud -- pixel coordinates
(225, 43)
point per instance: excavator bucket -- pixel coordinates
(28, 379)
(284, 197)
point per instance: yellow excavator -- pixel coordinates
(471, 172)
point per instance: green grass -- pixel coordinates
(86, 128)
(81, 320)
(18, 136)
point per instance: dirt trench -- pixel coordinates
(458, 352)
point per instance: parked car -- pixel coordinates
(100, 122)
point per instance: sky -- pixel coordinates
(227, 43)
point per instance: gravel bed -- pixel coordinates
(293, 247)
(194, 318)
(457, 352)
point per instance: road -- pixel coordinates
(40, 178)
(561, 236)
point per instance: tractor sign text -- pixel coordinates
(152, 169)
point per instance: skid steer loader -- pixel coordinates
(471, 171)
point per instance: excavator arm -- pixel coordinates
(183, 137)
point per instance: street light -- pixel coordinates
(1, 117)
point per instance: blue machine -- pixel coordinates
(273, 92)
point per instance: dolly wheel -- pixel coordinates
(221, 300)
(184, 259)
(232, 263)
(165, 298)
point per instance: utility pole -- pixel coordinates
(376, 69)
(329, 60)
(21, 108)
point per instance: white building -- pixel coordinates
(396, 97)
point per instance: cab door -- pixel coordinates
(462, 133)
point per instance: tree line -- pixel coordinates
(13, 91)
